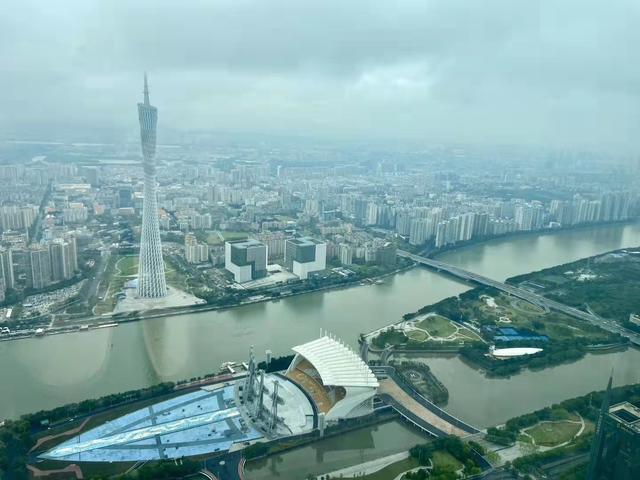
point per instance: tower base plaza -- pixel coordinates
(174, 297)
(325, 383)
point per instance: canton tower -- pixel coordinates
(151, 281)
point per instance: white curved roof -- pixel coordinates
(337, 364)
(515, 352)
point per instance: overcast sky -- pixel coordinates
(546, 72)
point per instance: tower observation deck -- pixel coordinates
(151, 278)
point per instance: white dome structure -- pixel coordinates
(335, 377)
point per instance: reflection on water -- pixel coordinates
(336, 452)
(484, 401)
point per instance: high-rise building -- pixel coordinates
(615, 449)
(419, 231)
(346, 254)
(151, 279)
(196, 253)
(245, 259)
(6, 268)
(64, 261)
(39, 271)
(386, 254)
(124, 198)
(305, 255)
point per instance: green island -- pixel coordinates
(604, 284)
(482, 319)
(419, 375)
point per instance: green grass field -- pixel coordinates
(127, 265)
(417, 335)
(553, 433)
(445, 459)
(437, 326)
(126, 268)
(227, 235)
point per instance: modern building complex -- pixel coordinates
(246, 259)
(151, 279)
(305, 255)
(326, 382)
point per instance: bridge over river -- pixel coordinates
(417, 409)
(524, 294)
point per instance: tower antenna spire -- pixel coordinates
(146, 90)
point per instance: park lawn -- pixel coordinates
(550, 434)
(214, 239)
(437, 326)
(445, 459)
(175, 278)
(395, 338)
(526, 307)
(417, 335)
(232, 235)
(391, 471)
(127, 265)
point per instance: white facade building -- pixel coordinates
(341, 384)
(303, 256)
(245, 259)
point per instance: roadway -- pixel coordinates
(527, 295)
(417, 409)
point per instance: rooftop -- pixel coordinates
(627, 414)
(337, 364)
(196, 423)
(245, 243)
(305, 241)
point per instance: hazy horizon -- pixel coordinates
(545, 74)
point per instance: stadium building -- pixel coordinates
(341, 384)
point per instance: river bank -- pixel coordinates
(58, 369)
(114, 319)
(91, 322)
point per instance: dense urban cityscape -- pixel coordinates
(71, 217)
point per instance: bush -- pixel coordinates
(256, 450)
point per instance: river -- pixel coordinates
(41, 373)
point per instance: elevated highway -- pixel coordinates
(524, 294)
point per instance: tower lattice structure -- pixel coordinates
(151, 279)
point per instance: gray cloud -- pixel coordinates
(558, 73)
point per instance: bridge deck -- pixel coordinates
(389, 387)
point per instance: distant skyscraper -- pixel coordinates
(6, 267)
(151, 280)
(39, 274)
